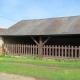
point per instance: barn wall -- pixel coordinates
(18, 40)
(12, 40)
(64, 40)
(1, 42)
(54, 40)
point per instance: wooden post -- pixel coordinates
(40, 44)
(40, 47)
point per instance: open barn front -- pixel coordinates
(61, 46)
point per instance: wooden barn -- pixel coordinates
(48, 38)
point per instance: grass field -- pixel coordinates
(41, 69)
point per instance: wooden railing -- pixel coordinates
(48, 51)
(20, 50)
(61, 52)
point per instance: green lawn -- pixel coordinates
(40, 68)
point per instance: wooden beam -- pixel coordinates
(40, 47)
(46, 40)
(34, 40)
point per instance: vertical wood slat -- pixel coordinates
(18, 52)
(65, 51)
(75, 52)
(28, 50)
(59, 51)
(12, 49)
(20, 49)
(9, 49)
(24, 49)
(49, 50)
(62, 51)
(36, 50)
(44, 51)
(79, 52)
(72, 52)
(69, 51)
(55, 51)
(6, 48)
(2, 48)
(33, 50)
(3, 52)
(52, 51)
(15, 49)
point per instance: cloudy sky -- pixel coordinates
(12, 11)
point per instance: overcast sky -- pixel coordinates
(12, 11)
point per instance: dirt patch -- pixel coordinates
(5, 76)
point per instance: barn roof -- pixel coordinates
(2, 29)
(49, 26)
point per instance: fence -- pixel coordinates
(20, 50)
(48, 51)
(65, 52)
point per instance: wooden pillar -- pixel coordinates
(40, 47)
(40, 44)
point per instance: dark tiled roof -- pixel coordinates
(50, 26)
(2, 29)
